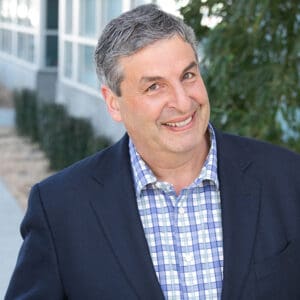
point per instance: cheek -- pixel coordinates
(200, 93)
(152, 109)
(142, 110)
(135, 116)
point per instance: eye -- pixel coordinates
(153, 87)
(188, 75)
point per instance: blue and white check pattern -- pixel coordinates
(184, 232)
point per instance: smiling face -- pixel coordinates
(163, 104)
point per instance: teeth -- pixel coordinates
(180, 124)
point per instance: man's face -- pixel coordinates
(164, 104)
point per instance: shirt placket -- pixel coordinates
(184, 244)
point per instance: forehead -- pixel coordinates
(159, 58)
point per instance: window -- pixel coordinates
(68, 59)
(25, 33)
(88, 18)
(113, 9)
(51, 34)
(68, 16)
(20, 16)
(52, 14)
(51, 50)
(86, 71)
(82, 22)
(25, 46)
(5, 40)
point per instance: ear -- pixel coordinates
(112, 103)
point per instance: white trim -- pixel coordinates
(79, 39)
(40, 45)
(86, 41)
(48, 70)
(61, 16)
(51, 32)
(66, 37)
(61, 30)
(75, 16)
(75, 48)
(19, 28)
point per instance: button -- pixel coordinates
(181, 210)
(188, 257)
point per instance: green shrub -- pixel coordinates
(26, 114)
(52, 119)
(98, 143)
(63, 138)
(19, 111)
(81, 133)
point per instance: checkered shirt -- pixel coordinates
(184, 232)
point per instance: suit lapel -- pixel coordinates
(119, 218)
(240, 207)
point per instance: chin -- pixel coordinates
(183, 146)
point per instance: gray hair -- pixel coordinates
(132, 31)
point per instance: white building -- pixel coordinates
(54, 56)
(28, 45)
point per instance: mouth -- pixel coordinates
(180, 124)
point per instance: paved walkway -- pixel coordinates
(10, 239)
(10, 219)
(7, 117)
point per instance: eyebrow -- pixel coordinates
(146, 79)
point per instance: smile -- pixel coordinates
(180, 124)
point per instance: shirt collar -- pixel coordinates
(143, 175)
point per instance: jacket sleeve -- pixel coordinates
(36, 275)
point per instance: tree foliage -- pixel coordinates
(251, 65)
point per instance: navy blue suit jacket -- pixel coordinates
(83, 238)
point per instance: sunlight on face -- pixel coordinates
(164, 104)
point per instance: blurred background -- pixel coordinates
(51, 111)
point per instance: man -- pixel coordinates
(176, 209)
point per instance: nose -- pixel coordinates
(179, 99)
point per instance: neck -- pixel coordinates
(179, 169)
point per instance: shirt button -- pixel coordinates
(188, 257)
(181, 210)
